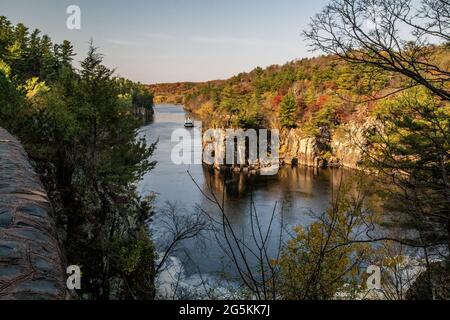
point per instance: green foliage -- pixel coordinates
(250, 115)
(322, 262)
(5, 69)
(360, 79)
(33, 88)
(10, 100)
(135, 256)
(228, 100)
(132, 262)
(288, 109)
(411, 147)
(80, 129)
(316, 82)
(323, 120)
(141, 97)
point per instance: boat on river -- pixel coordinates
(188, 123)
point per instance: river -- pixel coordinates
(298, 192)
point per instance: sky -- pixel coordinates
(154, 41)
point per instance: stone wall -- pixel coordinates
(31, 262)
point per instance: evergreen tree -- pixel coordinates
(82, 138)
(288, 109)
(66, 53)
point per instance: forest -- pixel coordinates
(78, 127)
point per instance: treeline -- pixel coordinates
(324, 91)
(304, 93)
(175, 92)
(79, 128)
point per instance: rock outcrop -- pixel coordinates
(347, 145)
(31, 262)
(344, 147)
(341, 147)
(298, 149)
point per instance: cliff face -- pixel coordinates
(31, 262)
(343, 147)
(298, 149)
(348, 144)
(144, 114)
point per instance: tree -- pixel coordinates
(369, 32)
(323, 260)
(409, 145)
(228, 102)
(65, 53)
(288, 109)
(412, 147)
(10, 100)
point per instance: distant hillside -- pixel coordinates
(311, 93)
(175, 92)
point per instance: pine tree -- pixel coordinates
(288, 108)
(66, 52)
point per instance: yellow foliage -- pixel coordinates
(321, 261)
(6, 69)
(33, 88)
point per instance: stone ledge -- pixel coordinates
(31, 264)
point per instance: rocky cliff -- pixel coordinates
(31, 262)
(300, 149)
(342, 147)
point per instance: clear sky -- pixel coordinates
(177, 40)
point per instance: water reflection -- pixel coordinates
(296, 191)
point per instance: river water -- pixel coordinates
(297, 193)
